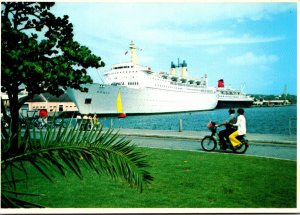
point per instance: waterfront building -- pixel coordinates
(50, 103)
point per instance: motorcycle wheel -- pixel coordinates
(242, 149)
(208, 144)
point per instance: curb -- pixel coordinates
(281, 142)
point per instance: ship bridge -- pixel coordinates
(127, 74)
(122, 66)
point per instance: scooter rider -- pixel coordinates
(229, 129)
(241, 125)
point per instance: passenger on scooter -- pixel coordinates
(229, 129)
(241, 129)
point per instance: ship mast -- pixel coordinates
(133, 53)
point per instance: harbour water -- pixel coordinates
(263, 120)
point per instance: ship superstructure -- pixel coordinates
(229, 97)
(144, 91)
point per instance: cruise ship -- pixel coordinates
(229, 97)
(131, 88)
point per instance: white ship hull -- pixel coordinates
(101, 99)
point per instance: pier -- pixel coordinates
(271, 103)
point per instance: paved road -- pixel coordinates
(266, 145)
(198, 135)
(279, 151)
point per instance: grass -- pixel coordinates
(182, 179)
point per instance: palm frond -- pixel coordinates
(62, 149)
(12, 202)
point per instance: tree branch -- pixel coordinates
(7, 10)
(25, 28)
(23, 100)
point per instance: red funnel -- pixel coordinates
(221, 83)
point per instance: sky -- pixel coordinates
(250, 45)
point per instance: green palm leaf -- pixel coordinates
(64, 149)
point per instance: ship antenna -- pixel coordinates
(242, 87)
(133, 48)
(100, 76)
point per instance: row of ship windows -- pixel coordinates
(180, 88)
(201, 90)
(201, 84)
(122, 83)
(102, 92)
(122, 67)
(159, 79)
(133, 83)
(123, 72)
(165, 86)
(43, 107)
(124, 77)
(230, 93)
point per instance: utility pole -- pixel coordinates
(285, 93)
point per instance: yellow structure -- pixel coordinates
(119, 103)
(184, 69)
(173, 69)
(133, 53)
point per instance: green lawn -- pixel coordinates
(182, 179)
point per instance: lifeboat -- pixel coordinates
(122, 115)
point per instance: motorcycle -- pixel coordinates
(209, 142)
(41, 123)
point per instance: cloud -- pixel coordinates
(214, 50)
(245, 11)
(194, 31)
(186, 14)
(180, 37)
(156, 21)
(251, 59)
